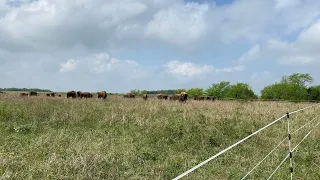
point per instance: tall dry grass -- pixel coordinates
(59, 138)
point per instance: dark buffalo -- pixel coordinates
(162, 96)
(53, 94)
(102, 94)
(79, 94)
(85, 94)
(129, 95)
(183, 97)
(23, 94)
(59, 95)
(145, 96)
(199, 98)
(71, 94)
(33, 93)
(174, 97)
(48, 95)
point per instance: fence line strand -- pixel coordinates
(304, 125)
(279, 166)
(302, 109)
(293, 150)
(264, 158)
(276, 148)
(235, 144)
(305, 136)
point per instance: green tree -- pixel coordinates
(178, 91)
(219, 90)
(274, 91)
(241, 91)
(135, 92)
(144, 92)
(194, 92)
(314, 93)
(297, 79)
(292, 87)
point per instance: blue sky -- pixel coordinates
(156, 44)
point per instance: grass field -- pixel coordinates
(60, 138)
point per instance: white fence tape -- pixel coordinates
(235, 144)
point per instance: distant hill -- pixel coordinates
(25, 89)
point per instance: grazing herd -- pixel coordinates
(79, 94)
(182, 97)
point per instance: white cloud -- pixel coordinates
(68, 66)
(231, 69)
(179, 24)
(251, 55)
(282, 4)
(301, 52)
(187, 69)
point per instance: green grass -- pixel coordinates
(60, 138)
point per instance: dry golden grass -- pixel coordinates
(59, 138)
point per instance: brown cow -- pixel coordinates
(174, 97)
(23, 94)
(85, 95)
(145, 96)
(183, 97)
(162, 96)
(129, 95)
(48, 95)
(79, 94)
(53, 94)
(102, 94)
(199, 98)
(59, 95)
(71, 94)
(33, 93)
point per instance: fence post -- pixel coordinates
(289, 137)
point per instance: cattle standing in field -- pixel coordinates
(210, 98)
(183, 97)
(85, 95)
(79, 94)
(59, 95)
(33, 93)
(162, 96)
(53, 94)
(129, 95)
(48, 95)
(102, 94)
(145, 96)
(71, 94)
(199, 98)
(23, 94)
(174, 97)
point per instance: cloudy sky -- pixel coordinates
(118, 45)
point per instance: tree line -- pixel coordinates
(295, 87)
(25, 89)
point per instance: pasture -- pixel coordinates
(59, 138)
